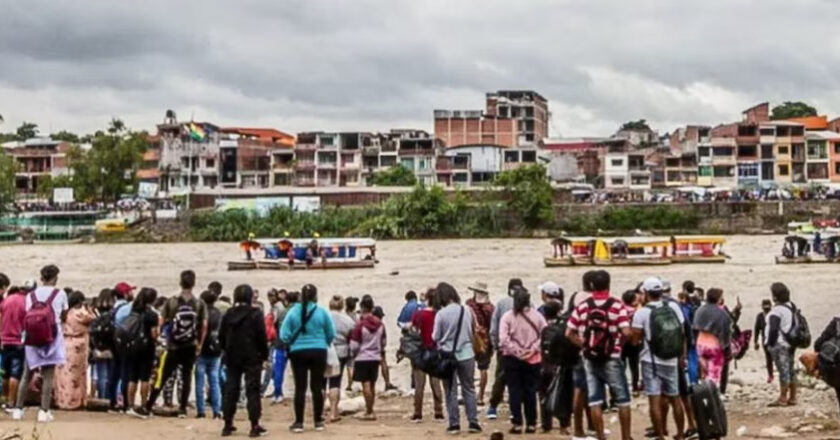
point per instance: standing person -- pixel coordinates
(779, 324)
(497, 393)
(243, 340)
(208, 364)
(550, 292)
(102, 344)
(411, 306)
(350, 304)
(343, 328)
(123, 294)
(580, 407)
(453, 338)
(186, 317)
(659, 327)
(71, 378)
(424, 321)
(482, 310)
(12, 312)
(759, 331)
(140, 359)
(307, 332)
(599, 325)
(281, 351)
(367, 343)
(630, 351)
(383, 363)
(519, 340)
(43, 301)
(713, 333)
(552, 340)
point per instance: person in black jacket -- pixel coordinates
(243, 338)
(829, 334)
(758, 336)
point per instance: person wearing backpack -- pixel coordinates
(482, 309)
(423, 322)
(102, 344)
(186, 317)
(123, 294)
(781, 322)
(599, 325)
(43, 341)
(242, 338)
(453, 334)
(308, 332)
(519, 339)
(659, 327)
(827, 347)
(208, 364)
(135, 339)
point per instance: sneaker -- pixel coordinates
(227, 431)
(475, 428)
(200, 416)
(691, 434)
(257, 431)
(439, 417)
(593, 434)
(297, 428)
(491, 413)
(137, 413)
(319, 426)
(453, 430)
(182, 413)
(588, 437)
(44, 416)
(515, 430)
(531, 430)
(17, 414)
(416, 419)
(277, 400)
(116, 410)
(389, 387)
(217, 416)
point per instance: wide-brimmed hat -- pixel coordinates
(479, 286)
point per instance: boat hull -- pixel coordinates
(568, 261)
(284, 265)
(806, 260)
(699, 260)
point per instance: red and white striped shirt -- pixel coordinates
(617, 318)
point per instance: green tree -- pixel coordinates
(395, 176)
(639, 125)
(66, 136)
(792, 109)
(529, 195)
(8, 168)
(27, 130)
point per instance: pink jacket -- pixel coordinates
(519, 335)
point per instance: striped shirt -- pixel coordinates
(617, 318)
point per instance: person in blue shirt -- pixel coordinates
(412, 305)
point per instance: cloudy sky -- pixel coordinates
(378, 64)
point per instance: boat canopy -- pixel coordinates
(323, 242)
(699, 239)
(632, 242)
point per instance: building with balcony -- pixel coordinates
(587, 155)
(38, 160)
(473, 127)
(527, 108)
(331, 159)
(822, 156)
(470, 165)
(717, 160)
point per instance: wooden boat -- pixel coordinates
(320, 253)
(817, 247)
(618, 251)
(817, 259)
(697, 249)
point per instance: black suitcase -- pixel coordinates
(709, 411)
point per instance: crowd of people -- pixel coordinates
(566, 359)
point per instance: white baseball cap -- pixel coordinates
(550, 288)
(653, 284)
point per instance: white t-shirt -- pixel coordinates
(785, 315)
(641, 320)
(59, 304)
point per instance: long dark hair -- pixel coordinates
(521, 300)
(446, 294)
(105, 301)
(145, 298)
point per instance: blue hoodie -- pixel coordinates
(318, 333)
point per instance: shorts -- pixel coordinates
(579, 376)
(13, 360)
(660, 380)
(334, 383)
(366, 371)
(140, 367)
(783, 358)
(606, 374)
(482, 361)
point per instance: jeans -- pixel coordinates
(252, 391)
(610, 374)
(661, 380)
(209, 367)
(267, 374)
(522, 379)
(102, 369)
(304, 363)
(465, 376)
(174, 360)
(116, 387)
(279, 370)
(783, 358)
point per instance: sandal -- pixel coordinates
(335, 419)
(777, 404)
(367, 417)
(792, 403)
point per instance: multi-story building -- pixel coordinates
(331, 159)
(528, 108)
(717, 160)
(820, 156)
(586, 154)
(264, 156)
(38, 159)
(625, 167)
(473, 127)
(473, 165)
(417, 151)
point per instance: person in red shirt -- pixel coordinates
(424, 321)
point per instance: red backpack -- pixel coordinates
(598, 341)
(39, 322)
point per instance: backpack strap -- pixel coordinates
(458, 330)
(52, 296)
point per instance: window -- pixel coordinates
(836, 167)
(767, 171)
(511, 156)
(767, 131)
(529, 156)
(617, 180)
(747, 151)
(210, 163)
(704, 151)
(817, 171)
(747, 171)
(407, 163)
(767, 151)
(817, 150)
(837, 148)
(705, 172)
(722, 151)
(784, 150)
(724, 171)
(784, 170)
(617, 162)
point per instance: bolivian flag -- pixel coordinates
(196, 131)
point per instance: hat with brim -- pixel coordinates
(479, 286)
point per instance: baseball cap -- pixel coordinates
(30, 285)
(123, 289)
(653, 284)
(551, 289)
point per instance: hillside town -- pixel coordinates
(469, 148)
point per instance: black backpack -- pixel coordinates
(184, 329)
(799, 335)
(212, 345)
(556, 348)
(130, 336)
(102, 331)
(828, 358)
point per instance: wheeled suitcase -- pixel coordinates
(708, 411)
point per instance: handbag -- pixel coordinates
(442, 364)
(333, 364)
